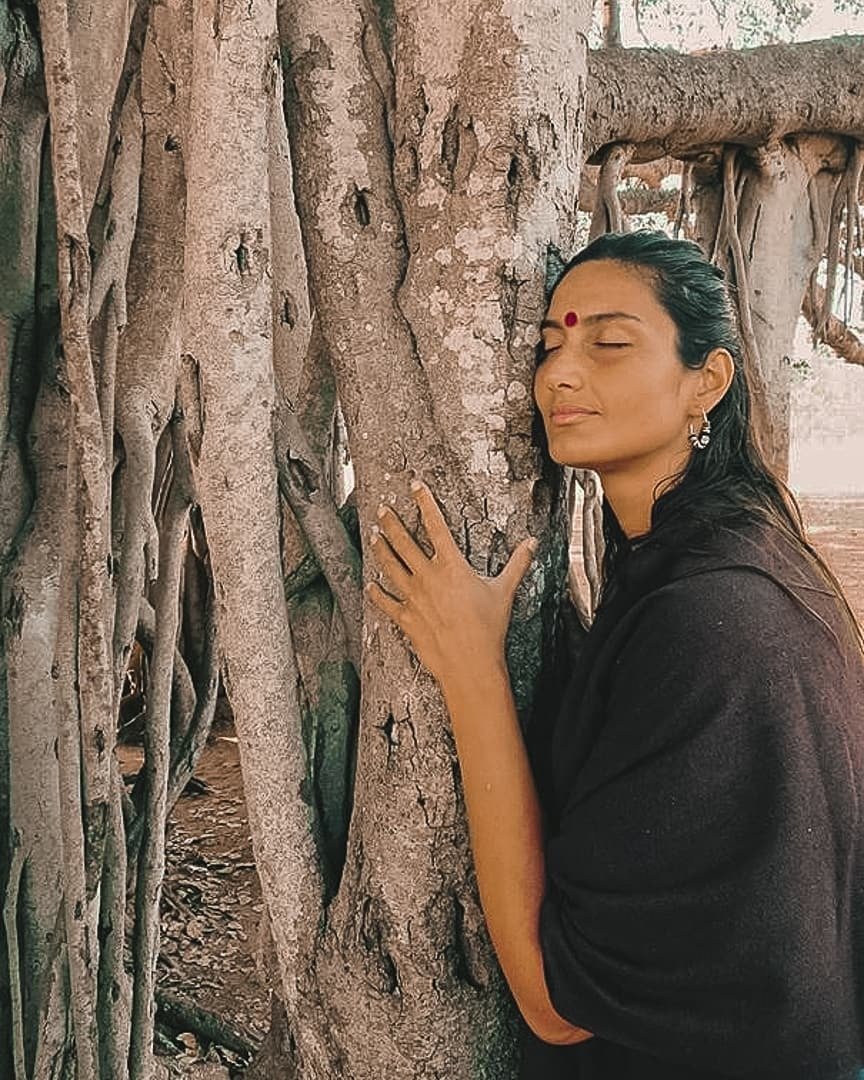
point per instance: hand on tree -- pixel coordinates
(453, 616)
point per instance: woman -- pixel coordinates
(673, 879)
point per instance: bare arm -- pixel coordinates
(457, 623)
(504, 822)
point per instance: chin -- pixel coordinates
(573, 459)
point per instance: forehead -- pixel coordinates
(603, 285)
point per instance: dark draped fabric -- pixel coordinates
(700, 761)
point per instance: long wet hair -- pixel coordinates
(729, 482)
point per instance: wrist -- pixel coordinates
(474, 679)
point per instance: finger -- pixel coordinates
(400, 540)
(392, 567)
(517, 566)
(434, 520)
(386, 603)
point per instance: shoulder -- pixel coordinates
(752, 588)
(740, 605)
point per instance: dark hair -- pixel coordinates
(729, 481)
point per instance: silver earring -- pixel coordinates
(699, 440)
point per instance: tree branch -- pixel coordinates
(674, 103)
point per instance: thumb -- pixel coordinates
(517, 565)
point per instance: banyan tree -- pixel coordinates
(260, 262)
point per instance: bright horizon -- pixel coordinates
(705, 32)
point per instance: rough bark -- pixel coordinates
(229, 398)
(151, 860)
(682, 104)
(22, 125)
(81, 671)
(30, 613)
(98, 38)
(149, 353)
(479, 193)
(29, 900)
(431, 196)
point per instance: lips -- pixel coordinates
(570, 414)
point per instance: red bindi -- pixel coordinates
(571, 318)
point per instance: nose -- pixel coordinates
(562, 370)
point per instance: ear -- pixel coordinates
(715, 378)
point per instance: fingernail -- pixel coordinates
(373, 534)
(381, 511)
(532, 543)
(415, 484)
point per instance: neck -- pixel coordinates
(632, 491)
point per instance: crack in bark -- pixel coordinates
(459, 149)
(378, 61)
(463, 964)
(361, 207)
(384, 973)
(389, 730)
(192, 397)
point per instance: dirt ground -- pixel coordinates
(212, 900)
(836, 527)
(211, 905)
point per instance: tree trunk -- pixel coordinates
(373, 282)
(230, 399)
(480, 190)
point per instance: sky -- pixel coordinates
(686, 25)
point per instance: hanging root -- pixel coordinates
(729, 240)
(303, 486)
(151, 859)
(834, 332)
(683, 209)
(10, 921)
(853, 226)
(113, 994)
(608, 215)
(845, 200)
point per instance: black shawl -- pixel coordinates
(701, 778)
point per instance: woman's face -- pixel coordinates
(616, 362)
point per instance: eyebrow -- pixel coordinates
(600, 316)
